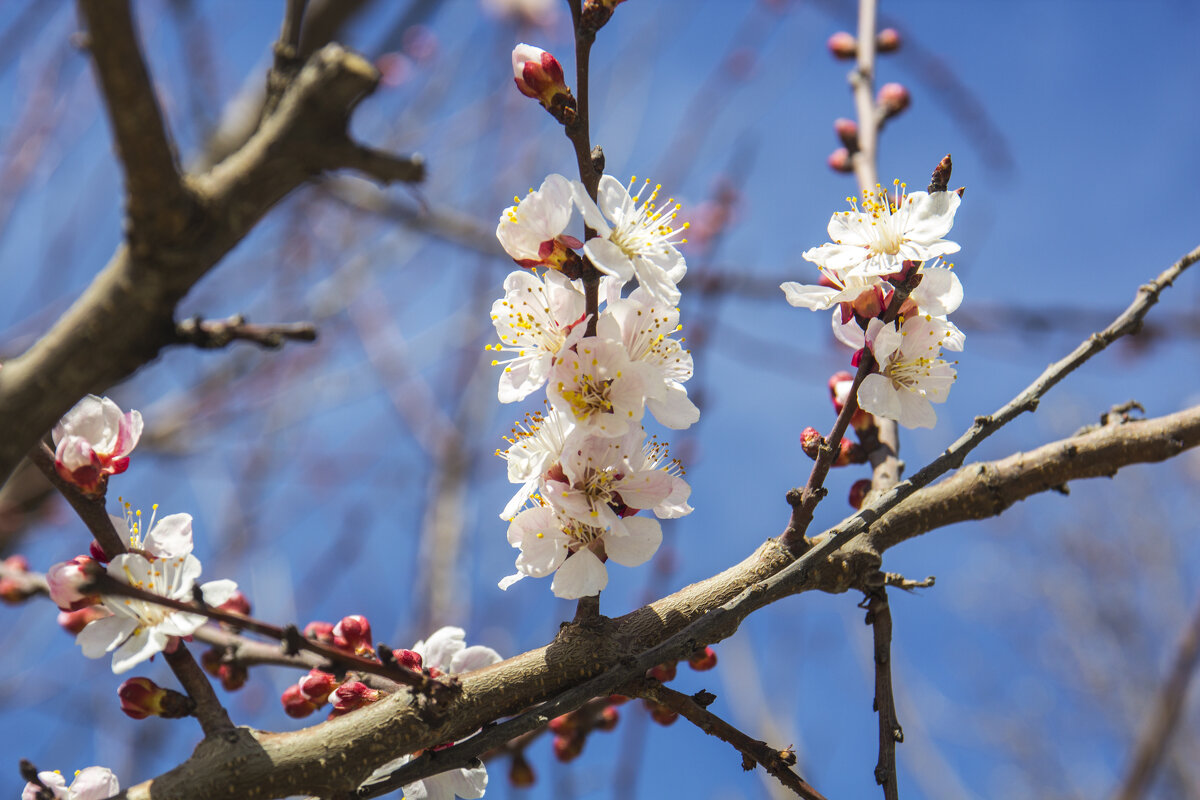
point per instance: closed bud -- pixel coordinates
(408, 658)
(97, 552)
(810, 441)
(237, 604)
(568, 747)
(661, 714)
(617, 699)
(75, 621)
(608, 718)
(663, 672)
(67, 580)
(353, 633)
(319, 631)
(858, 492)
(703, 659)
(142, 697)
(316, 686)
(350, 696)
(520, 773)
(849, 452)
(888, 40)
(843, 45)
(596, 13)
(295, 704)
(564, 724)
(13, 587)
(847, 132)
(839, 389)
(892, 99)
(539, 75)
(839, 160)
(233, 676)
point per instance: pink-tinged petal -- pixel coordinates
(877, 396)
(543, 545)
(522, 377)
(180, 624)
(676, 504)
(814, 298)
(887, 340)
(581, 575)
(141, 646)
(642, 542)
(472, 658)
(645, 489)
(104, 635)
(129, 434)
(75, 453)
(170, 537)
(609, 259)
(94, 783)
(467, 783)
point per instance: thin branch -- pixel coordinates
(778, 763)
(159, 204)
(213, 718)
(287, 55)
(378, 165)
(90, 509)
(879, 617)
(215, 334)
(1154, 741)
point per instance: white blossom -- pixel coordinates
(94, 440)
(596, 385)
(91, 783)
(911, 375)
(531, 232)
(535, 320)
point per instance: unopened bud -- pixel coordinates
(408, 658)
(849, 452)
(703, 659)
(233, 676)
(858, 492)
(13, 589)
(568, 748)
(843, 45)
(839, 389)
(617, 699)
(352, 695)
(75, 621)
(295, 704)
(142, 697)
(839, 160)
(539, 75)
(663, 672)
(319, 631)
(97, 552)
(520, 773)
(847, 132)
(316, 686)
(892, 99)
(661, 714)
(887, 41)
(353, 633)
(596, 13)
(564, 723)
(67, 579)
(810, 442)
(608, 718)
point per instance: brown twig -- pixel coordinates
(215, 334)
(778, 763)
(159, 203)
(879, 617)
(287, 55)
(1153, 743)
(90, 509)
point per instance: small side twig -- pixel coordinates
(287, 55)
(215, 334)
(778, 763)
(90, 510)
(879, 617)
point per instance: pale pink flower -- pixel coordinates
(535, 320)
(531, 232)
(93, 440)
(911, 375)
(91, 783)
(596, 385)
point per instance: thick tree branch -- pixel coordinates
(160, 205)
(124, 319)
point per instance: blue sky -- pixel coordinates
(1076, 142)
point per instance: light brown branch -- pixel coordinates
(215, 334)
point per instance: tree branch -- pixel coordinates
(879, 617)
(214, 334)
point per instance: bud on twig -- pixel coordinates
(539, 75)
(520, 773)
(839, 160)
(142, 697)
(810, 442)
(843, 45)
(858, 492)
(703, 659)
(887, 41)
(892, 99)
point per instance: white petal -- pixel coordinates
(581, 575)
(474, 657)
(676, 410)
(467, 783)
(144, 643)
(104, 635)
(94, 783)
(170, 537)
(877, 396)
(217, 592)
(609, 259)
(915, 410)
(441, 647)
(815, 298)
(645, 536)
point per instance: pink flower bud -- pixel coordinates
(319, 631)
(892, 99)
(839, 389)
(564, 723)
(67, 579)
(97, 552)
(295, 704)
(661, 714)
(236, 604)
(608, 718)
(568, 748)
(520, 773)
(75, 621)
(843, 45)
(353, 633)
(663, 672)
(839, 160)
(142, 697)
(92, 441)
(539, 75)
(316, 686)
(810, 441)
(849, 453)
(858, 492)
(888, 40)
(408, 658)
(703, 660)
(352, 695)
(847, 132)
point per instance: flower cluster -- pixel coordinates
(894, 243)
(585, 465)
(91, 783)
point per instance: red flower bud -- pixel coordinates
(295, 704)
(839, 160)
(67, 579)
(608, 718)
(663, 672)
(316, 686)
(352, 695)
(843, 45)
(408, 658)
(319, 631)
(539, 75)
(661, 714)
(858, 492)
(568, 748)
(75, 621)
(847, 132)
(887, 40)
(564, 724)
(142, 697)
(810, 441)
(849, 452)
(703, 659)
(353, 633)
(237, 604)
(892, 99)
